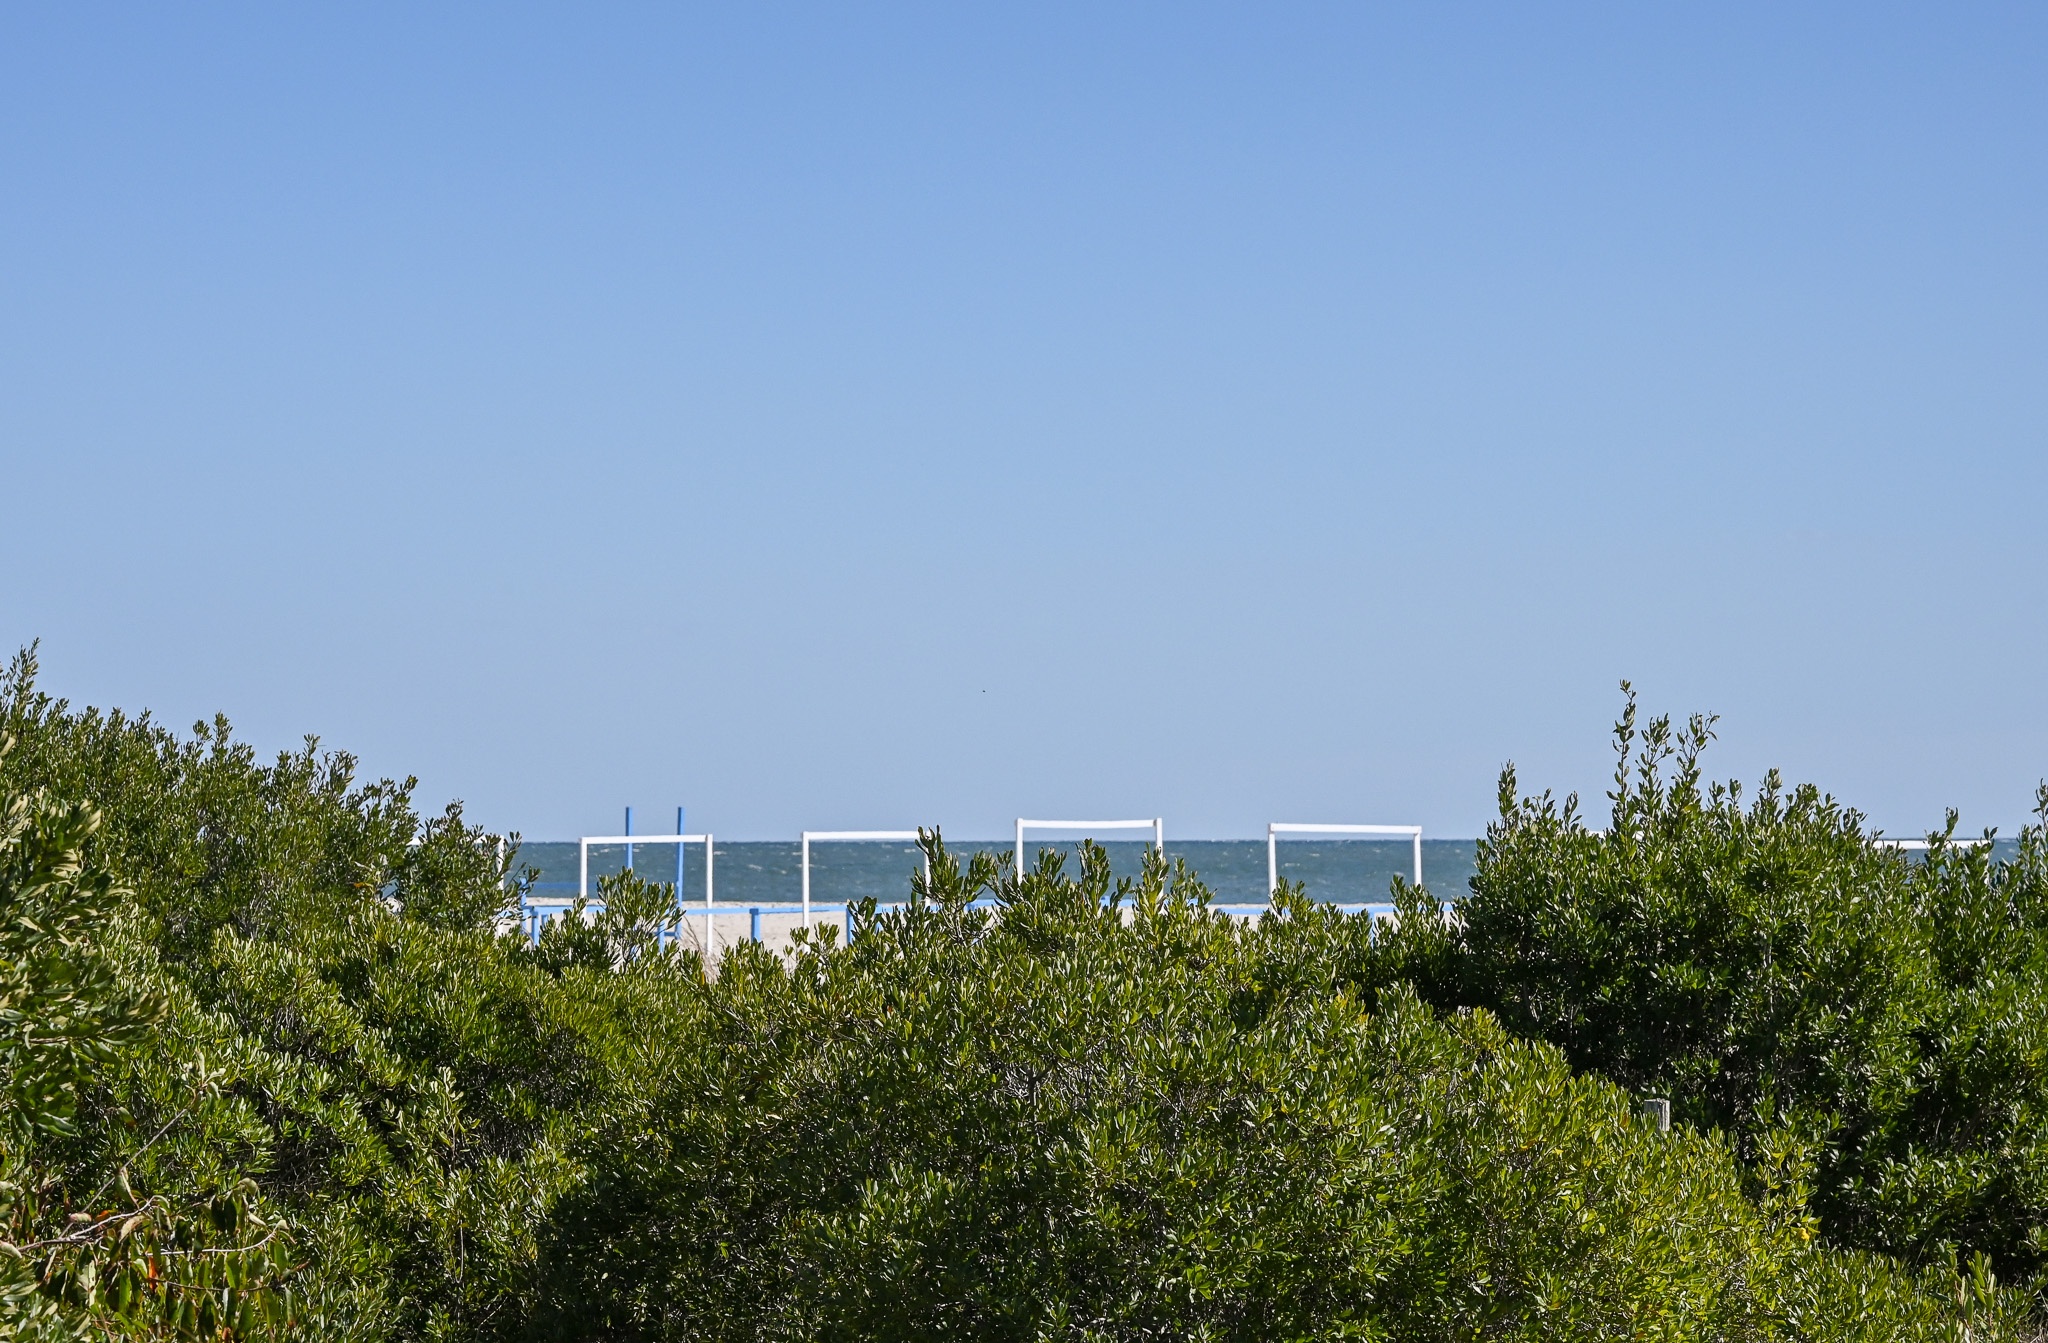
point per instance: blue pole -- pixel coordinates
(629, 830)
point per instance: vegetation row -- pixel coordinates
(273, 1070)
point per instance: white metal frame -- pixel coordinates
(810, 835)
(710, 854)
(1279, 828)
(583, 856)
(1157, 825)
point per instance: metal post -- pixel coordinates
(754, 923)
(583, 867)
(1418, 857)
(805, 860)
(1159, 834)
(629, 830)
(1020, 850)
(679, 857)
(1272, 862)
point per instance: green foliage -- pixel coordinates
(273, 1068)
(342, 1045)
(212, 841)
(1110, 1113)
(62, 1008)
(1784, 979)
(98, 1247)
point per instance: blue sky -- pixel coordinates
(831, 417)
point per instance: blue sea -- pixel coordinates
(1347, 871)
(1343, 871)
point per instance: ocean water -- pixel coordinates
(1347, 871)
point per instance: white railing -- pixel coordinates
(810, 835)
(1157, 825)
(1279, 828)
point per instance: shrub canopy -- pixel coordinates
(274, 1070)
(1784, 978)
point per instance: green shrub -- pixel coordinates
(110, 1223)
(1056, 1121)
(341, 1040)
(267, 1010)
(1783, 979)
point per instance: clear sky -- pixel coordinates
(872, 415)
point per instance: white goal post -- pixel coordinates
(810, 835)
(1157, 825)
(583, 857)
(1279, 828)
(583, 846)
